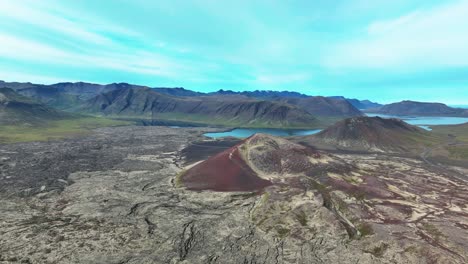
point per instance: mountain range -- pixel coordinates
(359, 104)
(412, 108)
(19, 109)
(281, 109)
(225, 108)
(147, 103)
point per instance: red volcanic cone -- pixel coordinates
(224, 172)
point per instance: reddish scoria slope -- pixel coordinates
(224, 172)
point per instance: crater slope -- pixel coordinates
(256, 162)
(372, 134)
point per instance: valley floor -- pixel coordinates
(110, 197)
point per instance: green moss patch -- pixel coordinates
(55, 129)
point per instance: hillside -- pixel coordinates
(372, 134)
(179, 91)
(363, 104)
(147, 103)
(323, 106)
(315, 105)
(262, 94)
(17, 109)
(455, 147)
(460, 131)
(412, 108)
(257, 108)
(65, 95)
(359, 104)
(23, 119)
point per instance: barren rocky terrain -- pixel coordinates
(112, 197)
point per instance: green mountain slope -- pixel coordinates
(18, 109)
(146, 103)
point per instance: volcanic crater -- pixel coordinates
(255, 163)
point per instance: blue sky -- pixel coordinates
(383, 50)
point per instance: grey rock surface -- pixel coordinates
(110, 197)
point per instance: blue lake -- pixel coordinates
(426, 121)
(247, 132)
(421, 121)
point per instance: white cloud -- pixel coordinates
(89, 49)
(32, 13)
(434, 37)
(13, 47)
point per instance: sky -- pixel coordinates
(382, 50)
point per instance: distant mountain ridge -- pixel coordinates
(148, 103)
(224, 107)
(177, 91)
(261, 94)
(323, 106)
(359, 104)
(18, 109)
(257, 108)
(63, 95)
(408, 108)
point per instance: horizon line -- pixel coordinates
(225, 90)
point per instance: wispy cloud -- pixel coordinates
(92, 49)
(138, 62)
(38, 15)
(433, 37)
(336, 47)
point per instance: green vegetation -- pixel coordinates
(203, 120)
(265, 198)
(457, 134)
(365, 229)
(427, 139)
(360, 195)
(178, 179)
(433, 231)
(351, 179)
(318, 186)
(378, 251)
(301, 218)
(261, 220)
(282, 232)
(412, 249)
(261, 207)
(458, 152)
(54, 129)
(459, 131)
(243, 196)
(340, 205)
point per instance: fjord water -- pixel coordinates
(426, 121)
(247, 132)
